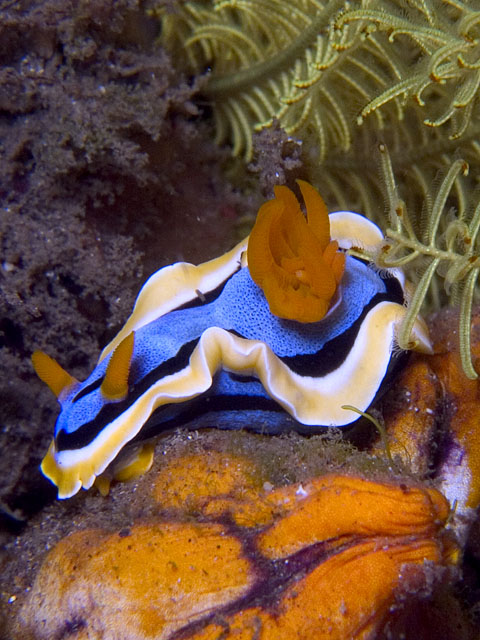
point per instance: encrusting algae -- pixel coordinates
(328, 561)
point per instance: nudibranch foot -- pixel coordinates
(205, 345)
(132, 462)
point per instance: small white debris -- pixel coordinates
(301, 491)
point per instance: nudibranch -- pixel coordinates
(277, 334)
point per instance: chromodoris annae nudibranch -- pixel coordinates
(277, 334)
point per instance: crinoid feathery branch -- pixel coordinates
(322, 67)
(442, 248)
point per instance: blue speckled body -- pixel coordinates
(241, 308)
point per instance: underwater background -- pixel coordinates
(137, 134)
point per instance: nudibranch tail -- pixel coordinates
(50, 372)
(292, 257)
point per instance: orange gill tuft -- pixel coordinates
(292, 258)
